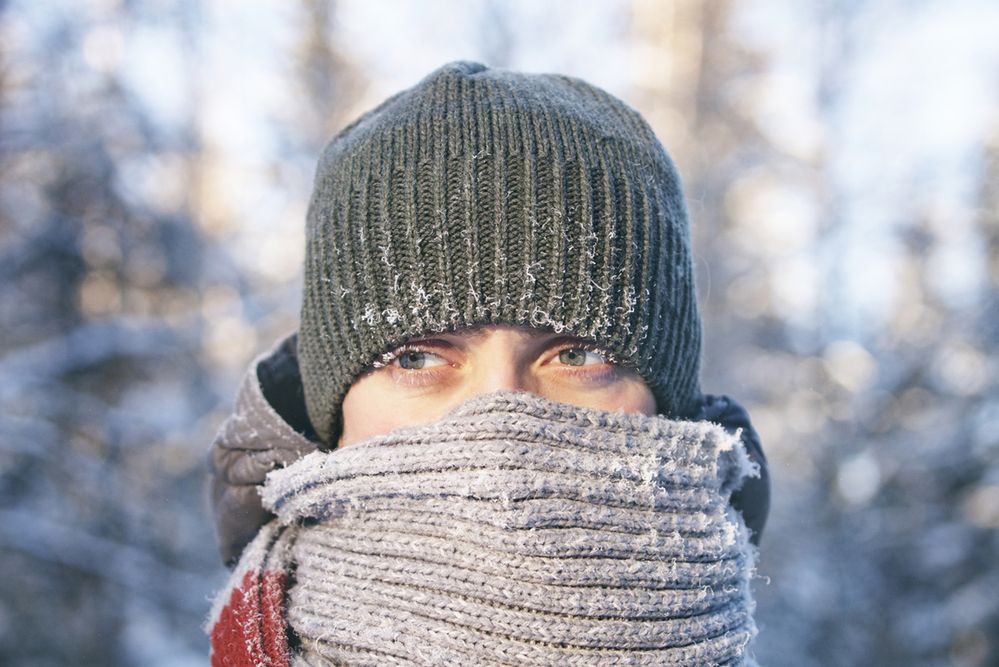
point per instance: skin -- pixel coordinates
(427, 377)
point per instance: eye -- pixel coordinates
(579, 356)
(412, 359)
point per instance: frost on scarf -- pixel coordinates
(515, 531)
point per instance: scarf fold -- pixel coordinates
(514, 531)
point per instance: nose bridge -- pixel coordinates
(500, 375)
(499, 365)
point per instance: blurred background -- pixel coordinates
(841, 160)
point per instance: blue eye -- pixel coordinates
(417, 359)
(412, 359)
(578, 356)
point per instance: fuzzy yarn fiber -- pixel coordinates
(514, 531)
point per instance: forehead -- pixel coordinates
(482, 331)
(508, 334)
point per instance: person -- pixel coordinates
(487, 440)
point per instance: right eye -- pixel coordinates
(411, 359)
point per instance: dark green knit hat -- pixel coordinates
(484, 196)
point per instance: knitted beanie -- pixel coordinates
(483, 196)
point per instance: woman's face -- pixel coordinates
(427, 377)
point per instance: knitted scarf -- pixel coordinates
(514, 531)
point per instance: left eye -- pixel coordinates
(577, 356)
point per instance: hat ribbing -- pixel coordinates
(484, 196)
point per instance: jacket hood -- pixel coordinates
(267, 429)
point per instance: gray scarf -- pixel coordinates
(514, 531)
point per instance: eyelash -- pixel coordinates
(420, 377)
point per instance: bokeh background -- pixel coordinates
(841, 160)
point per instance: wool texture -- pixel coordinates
(514, 531)
(484, 196)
